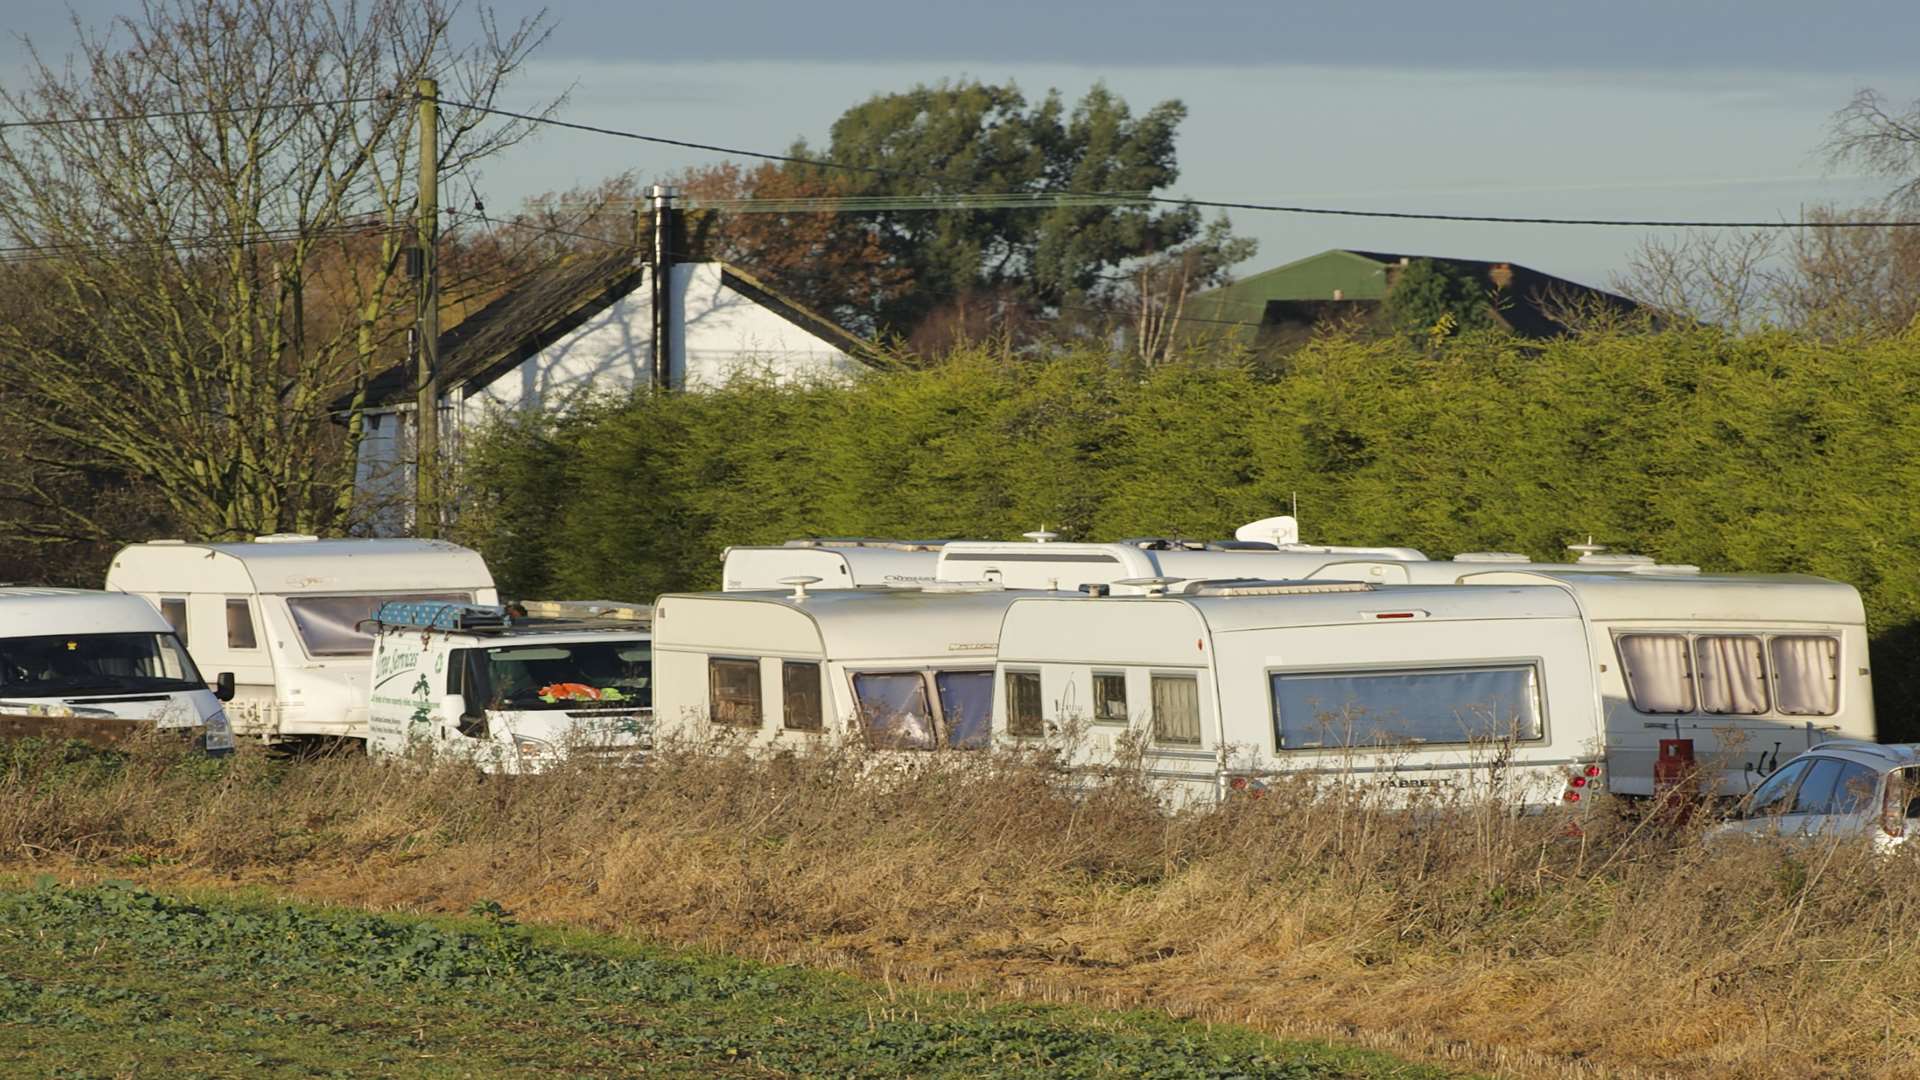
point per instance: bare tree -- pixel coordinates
(1729, 279)
(1883, 138)
(219, 251)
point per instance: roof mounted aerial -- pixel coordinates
(1588, 548)
(1041, 535)
(799, 584)
(1281, 532)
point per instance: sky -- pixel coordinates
(1678, 109)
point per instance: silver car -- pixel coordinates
(1843, 787)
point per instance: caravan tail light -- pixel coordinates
(1578, 781)
(1573, 796)
(1593, 770)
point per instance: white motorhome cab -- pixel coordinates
(903, 669)
(71, 654)
(284, 614)
(1227, 684)
(1267, 549)
(1753, 668)
(509, 695)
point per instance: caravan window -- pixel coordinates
(240, 626)
(1360, 708)
(1659, 675)
(174, 610)
(1732, 674)
(330, 625)
(1110, 697)
(894, 710)
(800, 697)
(733, 692)
(1806, 675)
(1023, 704)
(966, 707)
(1176, 709)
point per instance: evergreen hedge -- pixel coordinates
(1759, 453)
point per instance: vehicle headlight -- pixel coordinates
(532, 747)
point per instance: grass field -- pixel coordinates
(1581, 943)
(115, 981)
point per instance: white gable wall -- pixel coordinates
(717, 334)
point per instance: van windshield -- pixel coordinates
(330, 625)
(66, 665)
(571, 675)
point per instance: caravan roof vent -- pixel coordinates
(1150, 586)
(1663, 568)
(286, 538)
(1491, 556)
(1620, 560)
(864, 542)
(1256, 587)
(1281, 531)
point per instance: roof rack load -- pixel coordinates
(440, 615)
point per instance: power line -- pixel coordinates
(1215, 204)
(175, 114)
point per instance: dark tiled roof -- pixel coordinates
(1531, 292)
(558, 300)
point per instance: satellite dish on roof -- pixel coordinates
(1282, 531)
(1041, 535)
(799, 585)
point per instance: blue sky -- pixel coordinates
(1631, 108)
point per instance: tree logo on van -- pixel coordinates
(422, 718)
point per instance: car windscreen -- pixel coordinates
(571, 675)
(72, 664)
(330, 625)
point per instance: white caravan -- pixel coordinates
(1753, 668)
(284, 614)
(1223, 685)
(510, 695)
(1270, 548)
(904, 669)
(69, 657)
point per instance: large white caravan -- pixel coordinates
(1221, 684)
(285, 615)
(74, 655)
(1753, 668)
(509, 694)
(906, 669)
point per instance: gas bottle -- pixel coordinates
(1674, 774)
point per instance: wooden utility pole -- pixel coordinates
(426, 337)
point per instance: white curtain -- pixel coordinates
(1176, 709)
(1806, 673)
(1658, 674)
(1733, 675)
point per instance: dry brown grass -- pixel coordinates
(1461, 932)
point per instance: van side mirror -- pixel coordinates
(469, 719)
(223, 686)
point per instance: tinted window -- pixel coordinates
(330, 625)
(800, 702)
(1366, 708)
(67, 664)
(1023, 704)
(1816, 791)
(1853, 792)
(893, 708)
(733, 692)
(1771, 796)
(966, 706)
(1110, 697)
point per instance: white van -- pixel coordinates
(1228, 684)
(903, 669)
(510, 695)
(284, 614)
(70, 655)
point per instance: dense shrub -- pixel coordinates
(1759, 453)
